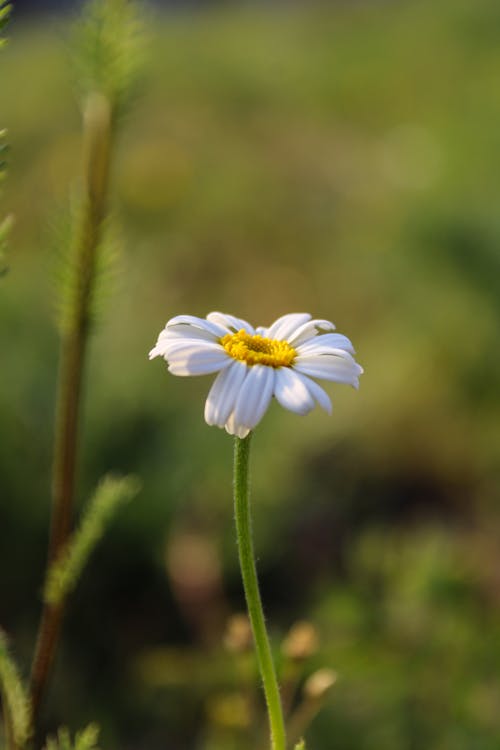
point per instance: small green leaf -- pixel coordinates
(84, 740)
(65, 571)
(5, 9)
(14, 696)
(4, 149)
(5, 227)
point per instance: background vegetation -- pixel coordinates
(339, 159)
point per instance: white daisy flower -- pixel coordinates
(255, 364)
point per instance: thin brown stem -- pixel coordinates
(97, 151)
(10, 742)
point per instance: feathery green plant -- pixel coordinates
(110, 46)
(84, 740)
(5, 224)
(108, 40)
(3, 153)
(64, 572)
(16, 705)
(5, 227)
(5, 10)
(66, 241)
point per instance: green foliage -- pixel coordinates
(418, 625)
(5, 9)
(67, 240)
(6, 223)
(3, 152)
(300, 745)
(5, 227)
(84, 740)
(109, 41)
(15, 699)
(111, 493)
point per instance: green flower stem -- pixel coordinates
(252, 594)
(97, 143)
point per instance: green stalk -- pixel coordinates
(252, 594)
(97, 142)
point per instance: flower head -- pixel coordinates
(255, 364)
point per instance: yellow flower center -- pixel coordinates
(257, 350)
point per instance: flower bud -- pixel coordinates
(238, 635)
(320, 683)
(301, 642)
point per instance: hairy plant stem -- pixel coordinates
(252, 594)
(9, 739)
(97, 152)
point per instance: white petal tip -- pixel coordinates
(240, 432)
(210, 419)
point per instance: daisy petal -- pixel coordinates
(283, 328)
(309, 330)
(331, 340)
(170, 346)
(191, 320)
(254, 396)
(181, 330)
(224, 392)
(232, 324)
(198, 360)
(167, 338)
(156, 351)
(291, 392)
(329, 367)
(233, 429)
(317, 392)
(317, 350)
(159, 348)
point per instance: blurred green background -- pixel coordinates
(340, 159)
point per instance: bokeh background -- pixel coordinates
(337, 158)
